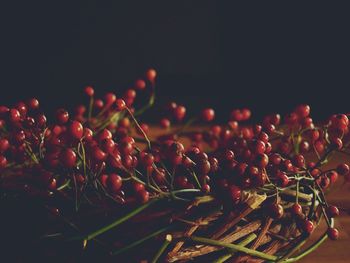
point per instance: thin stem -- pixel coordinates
(168, 239)
(118, 221)
(243, 243)
(140, 241)
(139, 127)
(239, 248)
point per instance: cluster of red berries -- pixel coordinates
(101, 148)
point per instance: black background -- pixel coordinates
(269, 57)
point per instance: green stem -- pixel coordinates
(140, 241)
(239, 248)
(244, 242)
(139, 127)
(311, 248)
(168, 239)
(118, 221)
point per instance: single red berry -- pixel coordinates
(180, 113)
(89, 91)
(15, 115)
(333, 176)
(332, 211)
(88, 134)
(98, 104)
(108, 145)
(110, 98)
(143, 196)
(33, 104)
(62, 116)
(282, 179)
(3, 162)
(275, 158)
(296, 209)
(120, 103)
(151, 75)
(114, 182)
(262, 160)
(246, 113)
(307, 226)
(4, 145)
(165, 123)
(303, 110)
(140, 84)
(299, 161)
(148, 159)
(336, 143)
(76, 130)
(68, 158)
(206, 188)
(234, 194)
(333, 233)
(208, 114)
(236, 115)
(103, 180)
(98, 154)
(343, 169)
(52, 184)
(276, 210)
(181, 181)
(258, 147)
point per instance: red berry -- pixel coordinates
(120, 103)
(246, 113)
(180, 113)
(143, 196)
(68, 158)
(76, 130)
(89, 90)
(15, 115)
(343, 169)
(234, 194)
(332, 211)
(333, 176)
(165, 123)
(208, 114)
(88, 134)
(98, 154)
(3, 162)
(206, 188)
(333, 233)
(62, 116)
(282, 179)
(296, 209)
(299, 161)
(110, 98)
(33, 104)
(258, 147)
(303, 110)
(151, 74)
(4, 145)
(307, 226)
(140, 84)
(114, 182)
(276, 210)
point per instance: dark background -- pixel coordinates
(267, 57)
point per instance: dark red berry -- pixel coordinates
(68, 158)
(114, 182)
(332, 211)
(333, 233)
(276, 210)
(15, 115)
(343, 169)
(234, 194)
(180, 113)
(307, 226)
(140, 84)
(62, 116)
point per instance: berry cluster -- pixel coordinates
(102, 148)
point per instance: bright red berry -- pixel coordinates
(332, 211)
(208, 114)
(151, 74)
(89, 91)
(76, 130)
(333, 233)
